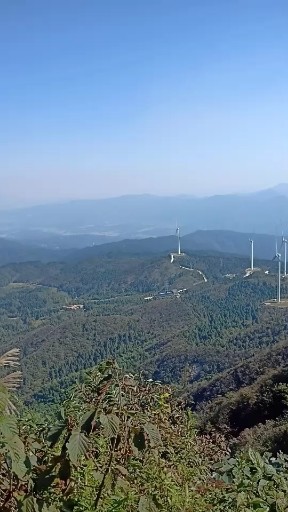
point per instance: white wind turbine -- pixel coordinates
(252, 253)
(285, 242)
(179, 240)
(277, 257)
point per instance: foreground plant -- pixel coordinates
(121, 444)
(255, 482)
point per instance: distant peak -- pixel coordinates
(282, 189)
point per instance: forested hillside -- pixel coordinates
(250, 401)
(197, 316)
(184, 323)
(199, 324)
(12, 251)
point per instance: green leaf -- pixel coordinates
(33, 460)
(8, 426)
(29, 505)
(87, 421)
(77, 445)
(256, 459)
(139, 440)
(257, 501)
(123, 471)
(52, 508)
(153, 434)
(61, 414)
(247, 472)
(55, 433)
(36, 445)
(123, 484)
(15, 449)
(146, 504)
(241, 499)
(5, 403)
(226, 468)
(19, 468)
(261, 485)
(98, 475)
(111, 424)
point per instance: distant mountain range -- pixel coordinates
(86, 222)
(227, 242)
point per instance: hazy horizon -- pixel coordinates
(14, 205)
(113, 98)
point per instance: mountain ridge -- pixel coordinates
(219, 241)
(133, 216)
(202, 240)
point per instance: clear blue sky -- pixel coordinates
(107, 97)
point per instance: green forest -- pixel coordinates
(145, 385)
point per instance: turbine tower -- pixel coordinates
(179, 241)
(277, 257)
(285, 242)
(252, 253)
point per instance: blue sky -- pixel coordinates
(102, 98)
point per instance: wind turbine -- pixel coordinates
(277, 257)
(252, 253)
(285, 242)
(179, 241)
